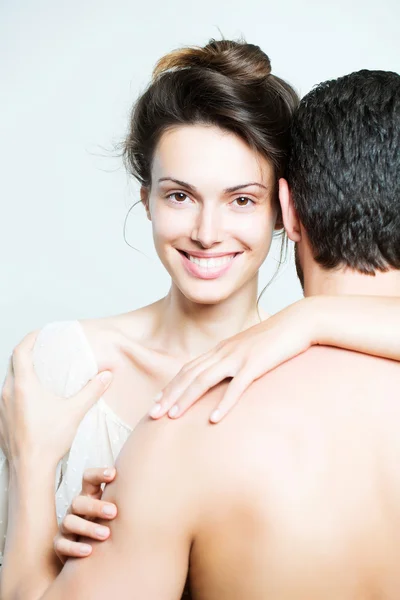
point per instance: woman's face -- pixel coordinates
(212, 210)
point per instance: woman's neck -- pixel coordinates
(184, 328)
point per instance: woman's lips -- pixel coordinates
(209, 266)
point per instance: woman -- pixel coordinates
(208, 144)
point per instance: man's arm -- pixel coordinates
(148, 550)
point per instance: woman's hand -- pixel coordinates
(33, 421)
(243, 358)
(368, 324)
(84, 508)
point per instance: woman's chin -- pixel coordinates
(214, 295)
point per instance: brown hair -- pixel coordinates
(225, 83)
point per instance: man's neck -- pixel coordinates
(318, 281)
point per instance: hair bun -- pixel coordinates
(243, 62)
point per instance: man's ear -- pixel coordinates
(290, 219)
(144, 197)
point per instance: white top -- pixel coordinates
(64, 363)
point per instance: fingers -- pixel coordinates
(200, 385)
(94, 478)
(7, 390)
(91, 393)
(77, 526)
(166, 399)
(92, 508)
(5, 403)
(178, 386)
(203, 358)
(234, 391)
(66, 548)
(22, 363)
(79, 519)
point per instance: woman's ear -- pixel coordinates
(290, 219)
(145, 199)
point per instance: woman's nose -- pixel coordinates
(207, 230)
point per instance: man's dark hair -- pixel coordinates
(344, 171)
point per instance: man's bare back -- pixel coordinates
(297, 493)
(294, 496)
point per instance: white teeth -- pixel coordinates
(211, 263)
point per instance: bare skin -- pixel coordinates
(141, 351)
(294, 496)
(171, 503)
(314, 496)
(225, 208)
(145, 348)
(269, 496)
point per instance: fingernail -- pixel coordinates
(173, 411)
(106, 377)
(155, 410)
(158, 397)
(84, 549)
(108, 473)
(108, 510)
(101, 532)
(214, 417)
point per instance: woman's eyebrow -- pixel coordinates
(235, 188)
(229, 190)
(178, 182)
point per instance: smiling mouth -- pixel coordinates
(209, 263)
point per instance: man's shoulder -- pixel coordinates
(321, 368)
(281, 412)
(286, 407)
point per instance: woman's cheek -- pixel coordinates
(170, 228)
(256, 229)
(262, 233)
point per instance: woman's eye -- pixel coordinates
(243, 201)
(178, 196)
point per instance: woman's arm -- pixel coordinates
(30, 564)
(36, 429)
(368, 324)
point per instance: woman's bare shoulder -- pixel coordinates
(123, 333)
(123, 345)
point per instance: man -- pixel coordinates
(296, 494)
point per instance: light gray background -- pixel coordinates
(69, 72)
